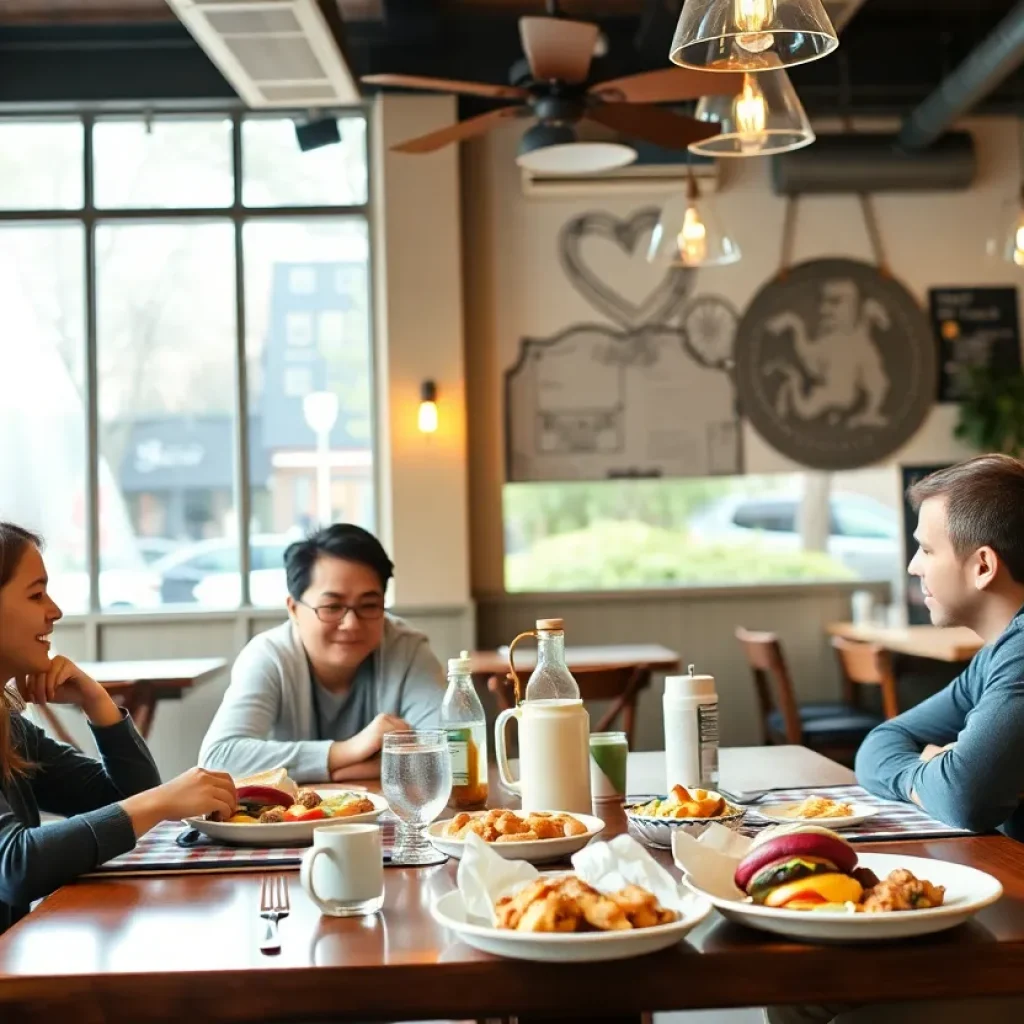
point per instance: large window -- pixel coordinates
(149, 268)
(704, 532)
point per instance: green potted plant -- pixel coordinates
(992, 411)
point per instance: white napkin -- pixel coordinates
(710, 861)
(484, 875)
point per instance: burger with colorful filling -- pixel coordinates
(803, 868)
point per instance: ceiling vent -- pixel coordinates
(274, 53)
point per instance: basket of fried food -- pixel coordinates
(691, 810)
(536, 836)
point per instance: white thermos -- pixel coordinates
(691, 731)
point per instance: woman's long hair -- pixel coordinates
(13, 541)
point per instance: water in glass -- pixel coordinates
(416, 778)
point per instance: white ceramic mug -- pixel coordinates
(343, 871)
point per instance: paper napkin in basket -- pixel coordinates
(484, 876)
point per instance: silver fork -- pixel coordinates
(274, 904)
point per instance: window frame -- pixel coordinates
(89, 216)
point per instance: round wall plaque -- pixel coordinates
(836, 365)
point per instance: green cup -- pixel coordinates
(608, 754)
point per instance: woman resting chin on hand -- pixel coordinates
(107, 803)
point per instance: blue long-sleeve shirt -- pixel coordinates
(979, 783)
(36, 859)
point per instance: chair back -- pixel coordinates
(620, 684)
(772, 682)
(867, 665)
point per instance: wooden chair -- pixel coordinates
(834, 728)
(620, 684)
(867, 665)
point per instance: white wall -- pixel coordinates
(515, 287)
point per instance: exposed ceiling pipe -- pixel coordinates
(991, 61)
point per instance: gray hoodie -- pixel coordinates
(267, 718)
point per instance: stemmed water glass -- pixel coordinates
(416, 778)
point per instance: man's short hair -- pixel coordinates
(340, 540)
(984, 506)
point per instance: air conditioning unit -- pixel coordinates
(655, 171)
(274, 53)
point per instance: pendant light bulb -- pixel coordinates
(751, 114)
(692, 238)
(752, 18)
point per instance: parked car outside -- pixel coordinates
(864, 534)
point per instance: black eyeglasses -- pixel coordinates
(332, 614)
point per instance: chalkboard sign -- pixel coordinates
(975, 327)
(917, 612)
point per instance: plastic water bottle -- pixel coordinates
(462, 716)
(691, 731)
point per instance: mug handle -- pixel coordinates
(501, 751)
(306, 877)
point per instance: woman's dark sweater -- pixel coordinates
(36, 859)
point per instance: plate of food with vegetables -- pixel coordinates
(273, 810)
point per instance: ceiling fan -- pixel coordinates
(552, 87)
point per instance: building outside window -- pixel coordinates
(143, 265)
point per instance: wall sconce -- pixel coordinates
(428, 407)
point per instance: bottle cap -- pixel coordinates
(550, 624)
(690, 685)
(461, 665)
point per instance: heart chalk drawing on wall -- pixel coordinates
(660, 303)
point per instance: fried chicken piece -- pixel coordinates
(510, 909)
(518, 837)
(507, 823)
(570, 826)
(902, 891)
(456, 826)
(598, 910)
(308, 798)
(554, 913)
(272, 816)
(641, 907)
(545, 826)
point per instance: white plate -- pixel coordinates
(450, 912)
(967, 891)
(777, 812)
(285, 833)
(539, 851)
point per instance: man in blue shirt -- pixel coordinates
(958, 754)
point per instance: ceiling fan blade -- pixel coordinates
(668, 85)
(497, 92)
(557, 48)
(457, 132)
(652, 124)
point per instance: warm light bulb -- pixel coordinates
(428, 417)
(1018, 243)
(752, 17)
(751, 115)
(692, 239)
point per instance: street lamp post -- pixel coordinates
(320, 409)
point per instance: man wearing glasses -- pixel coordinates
(317, 694)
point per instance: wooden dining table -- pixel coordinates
(186, 947)
(936, 643)
(598, 656)
(138, 686)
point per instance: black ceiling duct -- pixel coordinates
(862, 162)
(991, 61)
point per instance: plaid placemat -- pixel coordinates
(894, 820)
(166, 850)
